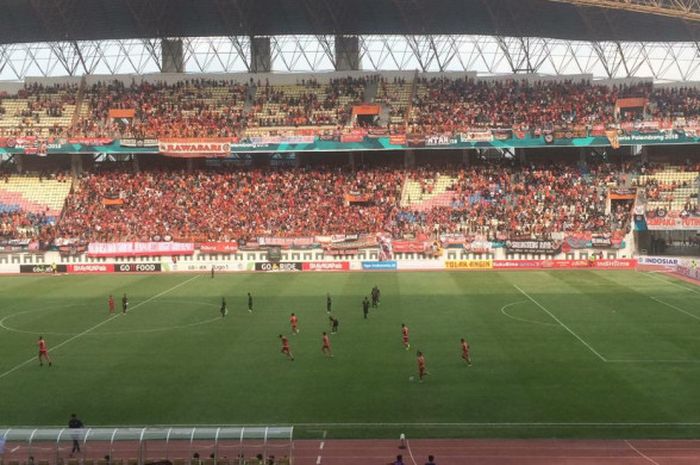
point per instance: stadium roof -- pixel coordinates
(612, 20)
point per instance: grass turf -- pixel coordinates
(604, 354)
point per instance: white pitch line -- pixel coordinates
(15, 449)
(675, 308)
(91, 328)
(562, 324)
(652, 361)
(323, 443)
(641, 453)
(318, 460)
(653, 276)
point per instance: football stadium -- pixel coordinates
(333, 232)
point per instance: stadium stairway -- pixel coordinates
(33, 195)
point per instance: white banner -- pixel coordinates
(132, 249)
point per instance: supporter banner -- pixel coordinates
(357, 198)
(690, 223)
(218, 247)
(399, 246)
(116, 113)
(108, 202)
(469, 264)
(44, 268)
(137, 267)
(366, 109)
(386, 265)
(281, 266)
(133, 249)
(91, 268)
(524, 246)
(192, 148)
(138, 142)
(17, 245)
(325, 266)
(286, 242)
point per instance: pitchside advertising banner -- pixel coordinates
(385, 265)
(617, 264)
(325, 266)
(649, 133)
(281, 266)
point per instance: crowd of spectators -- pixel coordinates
(19, 225)
(453, 105)
(504, 201)
(307, 103)
(495, 201)
(192, 108)
(229, 205)
(225, 108)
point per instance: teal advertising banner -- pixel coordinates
(348, 142)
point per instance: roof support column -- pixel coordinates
(347, 53)
(260, 55)
(172, 56)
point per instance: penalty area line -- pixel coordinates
(94, 327)
(561, 323)
(675, 308)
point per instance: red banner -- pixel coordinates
(408, 246)
(325, 266)
(139, 249)
(91, 268)
(191, 148)
(218, 247)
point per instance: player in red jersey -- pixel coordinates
(43, 352)
(465, 352)
(404, 336)
(326, 348)
(421, 366)
(285, 348)
(294, 321)
(110, 302)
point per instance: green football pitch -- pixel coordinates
(556, 353)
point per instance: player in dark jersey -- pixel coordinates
(223, 309)
(329, 303)
(250, 302)
(365, 307)
(125, 303)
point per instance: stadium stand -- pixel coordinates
(425, 105)
(38, 110)
(671, 190)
